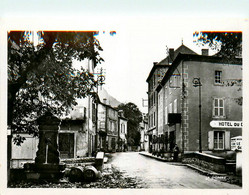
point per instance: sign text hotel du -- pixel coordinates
(226, 124)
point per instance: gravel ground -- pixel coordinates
(111, 178)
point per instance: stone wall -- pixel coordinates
(206, 161)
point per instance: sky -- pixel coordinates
(138, 42)
(130, 53)
(143, 30)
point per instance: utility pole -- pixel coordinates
(197, 83)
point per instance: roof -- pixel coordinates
(182, 49)
(123, 118)
(192, 57)
(166, 61)
(106, 105)
(156, 66)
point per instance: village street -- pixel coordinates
(151, 173)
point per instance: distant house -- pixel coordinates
(122, 132)
(73, 134)
(144, 139)
(107, 127)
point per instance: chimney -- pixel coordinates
(104, 100)
(171, 54)
(204, 52)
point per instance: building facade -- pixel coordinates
(144, 139)
(191, 115)
(155, 128)
(122, 132)
(107, 127)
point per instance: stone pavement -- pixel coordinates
(232, 179)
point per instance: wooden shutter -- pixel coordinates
(211, 140)
(227, 140)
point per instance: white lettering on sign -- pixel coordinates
(226, 124)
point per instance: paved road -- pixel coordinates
(156, 174)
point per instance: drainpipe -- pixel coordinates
(118, 133)
(183, 97)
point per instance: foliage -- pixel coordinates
(227, 44)
(41, 76)
(134, 116)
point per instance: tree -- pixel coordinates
(227, 44)
(134, 116)
(41, 77)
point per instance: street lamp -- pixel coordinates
(197, 83)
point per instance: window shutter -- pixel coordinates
(227, 140)
(210, 140)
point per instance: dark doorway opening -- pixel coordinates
(66, 145)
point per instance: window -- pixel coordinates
(154, 98)
(218, 107)
(154, 123)
(175, 81)
(175, 106)
(170, 108)
(93, 113)
(151, 120)
(219, 140)
(217, 77)
(154, 80)
(166, 115)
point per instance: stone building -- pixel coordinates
(144, 140)
(155, 76)
(122, 131)
(107, 127)
(181, 104)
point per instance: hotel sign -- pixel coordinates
(226, 124)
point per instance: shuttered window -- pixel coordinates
(219, 140)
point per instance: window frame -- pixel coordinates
(219, 108)
(175, 106)
(218, 78)
(218, 132)
(166, 115)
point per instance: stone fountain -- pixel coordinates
(47, 162)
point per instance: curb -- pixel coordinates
(162, 159)
(194, 167)
(205, 172)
